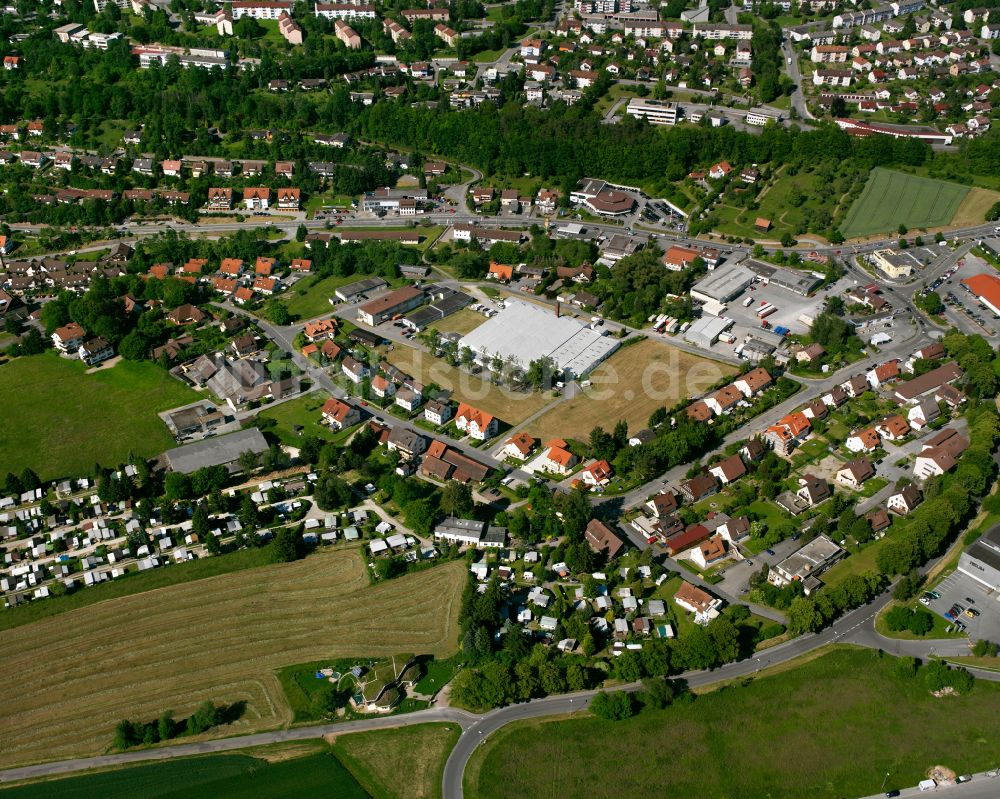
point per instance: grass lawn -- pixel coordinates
(830, 727)
(304, 412)
(230, 776)
(892, 198)
(630, 385)
(937, 631)
(873, 486)
(509, 407)
(404, 763)
(220, 639)
(613, 95)
(60, 421)
(461, 322)
(774, 205)
(311, 297)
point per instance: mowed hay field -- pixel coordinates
(893, 198)
(973, 209)
(508, 406)
(630, 385)
(60, 420)
(71, 678)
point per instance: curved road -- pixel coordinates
(856, 627)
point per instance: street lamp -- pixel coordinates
(883, 782)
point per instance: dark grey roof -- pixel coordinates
(219, 451)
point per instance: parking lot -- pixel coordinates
(958, 588)
(962, 308)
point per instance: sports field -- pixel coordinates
(630, 385)
(60, 421)
(893, 198)
(218, 639)
(830, 727)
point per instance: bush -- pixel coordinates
(616, 706)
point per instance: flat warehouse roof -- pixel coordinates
(526, 332)
(215, 451)
(724, 284)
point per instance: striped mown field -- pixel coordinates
(70, 678)
(891, 199)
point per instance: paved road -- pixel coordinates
(460, 717)
(984, 785)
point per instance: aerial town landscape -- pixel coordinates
(459, 399)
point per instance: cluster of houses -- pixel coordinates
(36, 277)
(908, 76)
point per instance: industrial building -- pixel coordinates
(799, 282)
(706, 331)
(722, 285)
(981, 561)
(524, 332)
(221, 451)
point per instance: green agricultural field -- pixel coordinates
(891, 199)
(234, 776)
(405, 763)
(61, 421)
(830, 727)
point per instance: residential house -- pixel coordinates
(854, 473)
(257, 198)
(753, 382)
(339, 415)
(558, 459)
(724, 400)
(602, 538)
(354, 370)
(437, 412)
(68, 338)
(728, 470)
(699, 487)
(711, 551)
(923, 413)
(478, 424)
(519, 446)
(813, 490)
(905, 500)
(597, 474)
(940, 453)
(95, 350)
(866, 440)
(883, 373)
(893, 428)
(703, 605)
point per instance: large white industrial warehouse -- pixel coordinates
(525, 332)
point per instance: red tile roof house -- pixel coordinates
(478, 424)
(558, 460)
(339, 414)
(68, 338)
(893, 428)
(382, 388)
(256, 198)
(883, 373)
(866, 440)
(725, 399)
(597, 473)
(518, 446)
